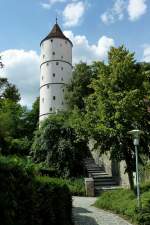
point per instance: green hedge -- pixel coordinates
(26, 199)
(124, 202)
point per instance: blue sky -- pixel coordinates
(92, 25)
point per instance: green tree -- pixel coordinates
(11, 92)
(79, 88)
(117, 105)
(29, 120)
(57, 145)
(10, 113)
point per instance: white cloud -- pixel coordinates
(146, 53)
(49, 3)
(136, 9)
(73, 13)
(22, 69)
(116, 13)
(83, 51)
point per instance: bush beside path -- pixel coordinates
(85, 213)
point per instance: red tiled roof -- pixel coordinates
(56, 32)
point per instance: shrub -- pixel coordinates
(26, 199)
(57, 145)
(76, 186)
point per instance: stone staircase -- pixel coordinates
(102, 180)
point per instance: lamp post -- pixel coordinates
(136, 138)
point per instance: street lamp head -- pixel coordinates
(136, 135)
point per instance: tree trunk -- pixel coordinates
(128, 160)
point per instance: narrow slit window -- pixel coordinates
(62, 68)
(47, 64)
(53, 53)
(51, 40)
(53, 74)
(62, 103)
(63, 90)
(43, 56)
(62, 78)
(62, 57)
(42, 78)
(50, 109)
(47, 85)
(57, 63)
(54, 97)
(43, 100)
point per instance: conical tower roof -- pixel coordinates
(56, 32)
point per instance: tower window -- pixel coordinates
(62, 103)
(47, 64)
(51, 40)
(53, 53)
(47, 85)
(50, 109)
(62, 57)
(42, 77)
(42, 99)
(53, 74)
(43, 56)
(62, 78)
(62, 68)
(54, 97)
(63, 90)
(57, 63)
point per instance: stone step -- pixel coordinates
(103, 180)
(100, 175)
(96, 170)
(111, 183)
(99, 190)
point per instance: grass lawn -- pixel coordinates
(124, 202)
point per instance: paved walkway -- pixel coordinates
(85, 214)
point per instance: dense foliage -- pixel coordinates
(57, 144)
(124, 202)
(118, 103)
(79, 87)
(27, 199)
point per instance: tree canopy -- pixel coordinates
(116, 105)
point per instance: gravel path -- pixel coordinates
(85, 214)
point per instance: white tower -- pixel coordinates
(56, 71)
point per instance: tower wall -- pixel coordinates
(56, 71)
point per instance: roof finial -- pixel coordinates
(56, 19)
